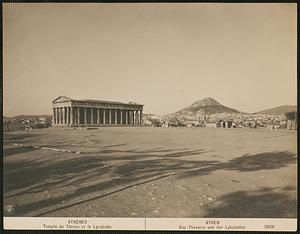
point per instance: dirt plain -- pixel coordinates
(151, 172)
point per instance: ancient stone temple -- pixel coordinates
(90, 113)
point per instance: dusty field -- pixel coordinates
(151, 172)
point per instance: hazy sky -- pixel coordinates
(165, 56)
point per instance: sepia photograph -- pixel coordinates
(153, 113)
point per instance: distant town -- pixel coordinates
(206, 113)
(224, 120)
(211, 114)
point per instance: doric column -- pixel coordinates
(75, 115)
(136, 118)
(109, 117)
(129, 117)
(56, 115)
(53, 116)
(71, 115)
(98, 116)
(85, 122)
(64, 116)
(126, 117)
(104, 121)
(92, 116)
(60, 115)
(68, 115)
(69, 119)
(133, 120)
(78, 115)
(121, 117)
(116, 116)
(141, 117)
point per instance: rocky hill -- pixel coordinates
(279, 110)
(205, 106)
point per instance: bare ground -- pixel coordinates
(151, 172)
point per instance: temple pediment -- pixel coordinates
(61, 99)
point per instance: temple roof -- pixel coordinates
(64, 98)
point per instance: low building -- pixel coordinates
(273, 127)
(211, 124)
(252, 124)
(291, 124)
(225, 124)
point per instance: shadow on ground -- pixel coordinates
(21, 137)
(17, 150)
(247, 163)
(263, 203)
(87, 177)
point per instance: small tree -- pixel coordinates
(291, 115)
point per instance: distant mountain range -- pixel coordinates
(209, 106)
(280, 110)
(26, 117)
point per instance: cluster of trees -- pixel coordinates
(291, 115)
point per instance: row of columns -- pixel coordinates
(79, 116)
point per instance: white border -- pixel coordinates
(181, 224)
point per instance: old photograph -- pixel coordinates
(150, 110)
